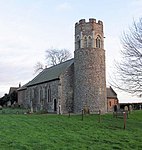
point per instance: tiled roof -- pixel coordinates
(51, 73)
(111, 93)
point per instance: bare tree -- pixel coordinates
(38, 67)
(53, 57)
(128, 76)
(56, 56)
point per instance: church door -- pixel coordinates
(55, 105)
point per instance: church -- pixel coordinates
(75, 84)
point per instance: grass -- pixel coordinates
(59, 132)
(12, 111)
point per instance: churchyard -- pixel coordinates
(20, 131)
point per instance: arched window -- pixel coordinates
(98, 42)
(35, 93)
(85, 42)
(89, 41)
(41, 96)
(31, 95)
(110, 103)
(49, 94)
(46, 93)
(78, 42)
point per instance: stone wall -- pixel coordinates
(36, 97)
(89, 68)
(111, 103)
(44, 96)
(90, 87)
(22, 98)
(66, 90)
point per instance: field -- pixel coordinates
(59, 132)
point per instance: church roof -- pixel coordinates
(51, 73)
(111, 93)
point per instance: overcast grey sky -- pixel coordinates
(30, 27)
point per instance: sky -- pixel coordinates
(29, 27)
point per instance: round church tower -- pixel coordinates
(89, 67)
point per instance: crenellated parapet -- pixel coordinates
(89, 34)
(91, 20)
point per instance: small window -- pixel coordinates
(35, 93)
(30, 94)
(110, 103)
(78, 42)
(49, 94)
(116, 102)
(46, 93)
(98, 42)
(89, 41)
(85, 42)
(41, 96)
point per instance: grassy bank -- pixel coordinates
(41, 132)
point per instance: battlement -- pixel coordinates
(91, 20)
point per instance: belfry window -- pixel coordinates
(89, 41)
(78, 42)
(85, 42)
(98, 42)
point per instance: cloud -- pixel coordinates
(64, 7)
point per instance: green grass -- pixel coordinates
(13, 111)
(54, 132)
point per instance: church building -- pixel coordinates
(75, 84)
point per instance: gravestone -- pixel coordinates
(130, 108)
(0, 107)
(126, 108)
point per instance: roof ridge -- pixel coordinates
(51, 73)
(59, 63)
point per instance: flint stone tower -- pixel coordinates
(89, 67)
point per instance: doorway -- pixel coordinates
(55, 105)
